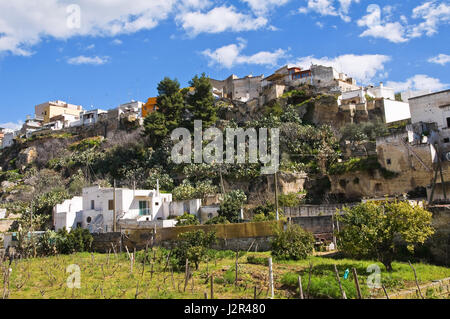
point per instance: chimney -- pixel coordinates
(381, 85)
(157, 187)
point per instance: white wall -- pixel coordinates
(431, 108)
(65, 214)
(396, 111)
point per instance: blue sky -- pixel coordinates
(95, 53)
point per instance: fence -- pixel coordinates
(315, 210)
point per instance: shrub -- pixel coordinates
(78, 240)
(87, 143)
(217, 220)
(187, 219)
(231, 205)
(47, 244)
(192, 246)
(292, 244)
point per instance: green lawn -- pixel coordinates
(110, 276)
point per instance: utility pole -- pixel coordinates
(276, 194)
(221, 181)
(114, 211)
(438, 153)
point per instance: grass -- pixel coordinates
(109, 276)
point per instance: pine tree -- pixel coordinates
(170, 102)
(201, 102)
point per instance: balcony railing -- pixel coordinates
(145, 212)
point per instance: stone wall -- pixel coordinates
(107, 242)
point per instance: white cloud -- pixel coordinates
(218, 20)
(12, 125)
(230, 55)
(263, 6)
(24, 23)
(364, 68)
(116, 42)
(419, 82)
(380, 28)
(339, 8)
(88, 60)
(90, 47)
(432, 13)
(441, 59)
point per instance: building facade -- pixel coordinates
(51, 109)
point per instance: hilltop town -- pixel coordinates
(109, 171)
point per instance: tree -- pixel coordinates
(371, 229)
(231, 205)
(201, 102)
(155, 128)
(292, 244)
(193, 246)
(170, 103)
(187, 191)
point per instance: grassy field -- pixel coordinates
(110, 276)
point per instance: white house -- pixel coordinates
(95, 209)
(68, 214)
(432, 108)
(88, 117)
(8, 138)
(131, 107)
(393, 111)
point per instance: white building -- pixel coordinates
(432, 108)
(95, 209)
(8, 138)
(371, 97)
(89, 117)
(131, 107)
(68, 214)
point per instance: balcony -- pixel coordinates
(145, 212)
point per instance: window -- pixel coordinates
(446, 140)
(78, 225)
(448, 122)
(156, 204)
(92, 204)
(143, 208)
(388, 161)
(111, 204)
(89, 219)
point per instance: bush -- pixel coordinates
(230, 207)
(187, 220)
(217, 220)
(192, 246)
(47, 244)
(292, 244)
(78, 240)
